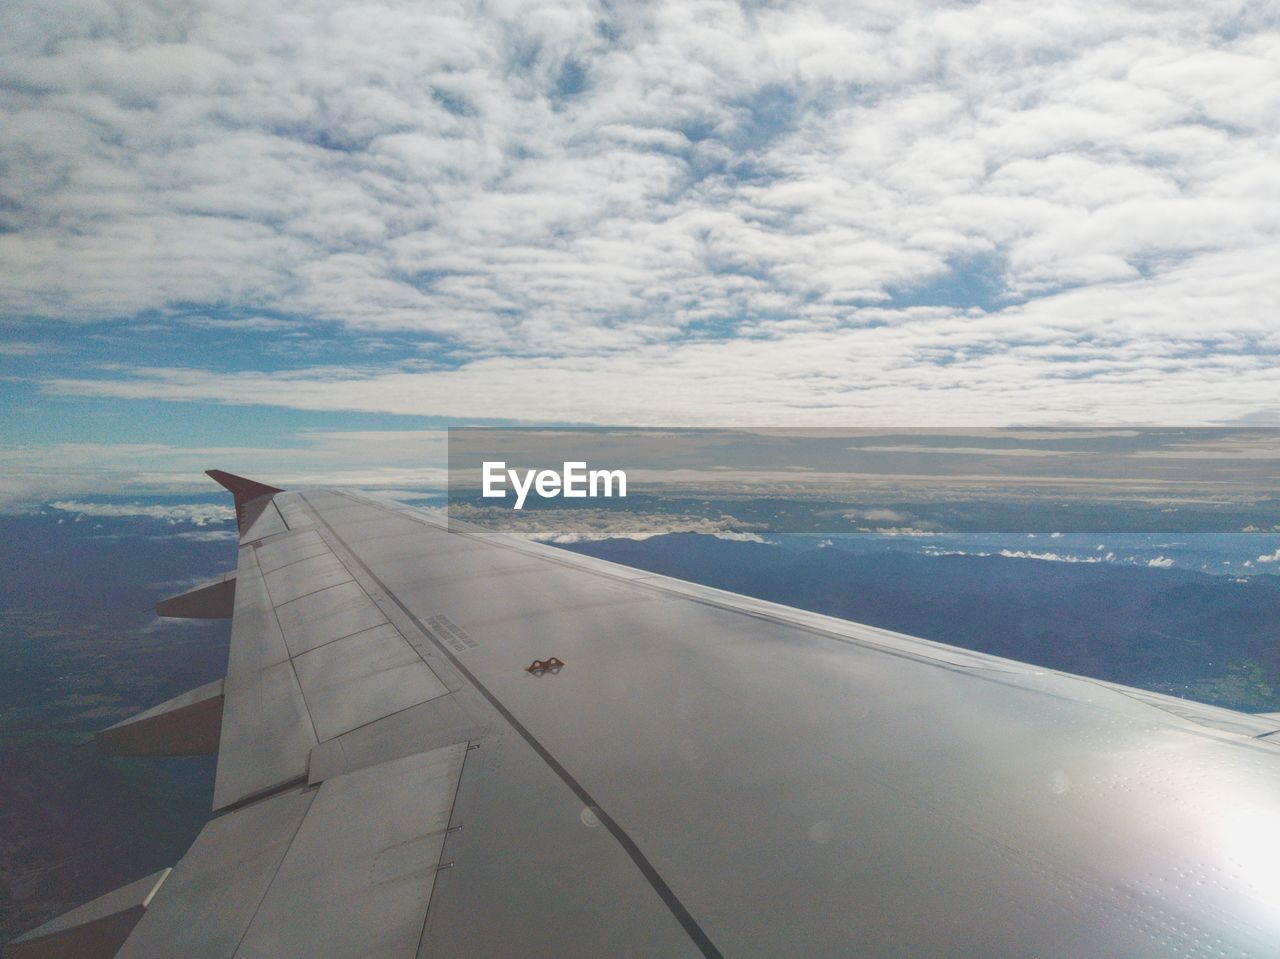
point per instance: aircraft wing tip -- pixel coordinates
(242, 488)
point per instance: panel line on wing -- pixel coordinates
(330, 642)
(444, 845)
(352, 670)
(275, 612)
(633, 851)
(349, 852)
(274, 873)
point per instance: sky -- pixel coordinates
(302, 238)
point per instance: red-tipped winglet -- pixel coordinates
(244, 490)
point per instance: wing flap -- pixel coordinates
(362, 866)
(204, 909)
(345, 869)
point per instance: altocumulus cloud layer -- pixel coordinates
(669, 212)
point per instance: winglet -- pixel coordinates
(244, 490)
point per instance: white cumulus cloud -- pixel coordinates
(1049, 556)
(985, 212)
(198, 514)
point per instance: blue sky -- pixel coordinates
(284, 239)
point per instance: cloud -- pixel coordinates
(977, 213)
(1160, 562)
(205, 536)
(198, 514)
(869, 374)
(17, 348)
(1050, 557)
(888, 515)
(586, 525)
(1270, 557)
(32, 475)
(960, 450)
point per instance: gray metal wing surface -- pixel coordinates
(691, 773)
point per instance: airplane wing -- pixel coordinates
(436, 741)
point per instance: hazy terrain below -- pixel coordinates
(80, 649)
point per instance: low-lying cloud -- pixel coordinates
(564, 526)
(197, 514)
